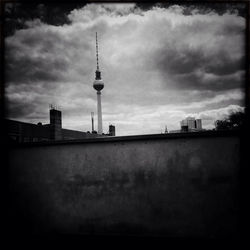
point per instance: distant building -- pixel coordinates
(190, 124)
(198, 124)
(111, 130)
(28, 132)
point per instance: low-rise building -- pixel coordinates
(27, 132)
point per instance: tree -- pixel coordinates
(234, 121)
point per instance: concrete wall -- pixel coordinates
(175, 186)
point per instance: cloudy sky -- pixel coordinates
(159, 64)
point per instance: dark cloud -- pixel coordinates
(224, 64)
(200, 48)
(205, 8)
(202, 81)
(175, 61)
(19, 106)
(42, 54)
(18, 110)
(17, 14)
(26, 69)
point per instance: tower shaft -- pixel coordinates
(99, 113)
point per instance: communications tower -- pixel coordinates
(98, 85)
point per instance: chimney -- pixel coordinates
(92, 121)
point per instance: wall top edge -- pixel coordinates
(149, 137)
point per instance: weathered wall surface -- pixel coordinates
(176, 187)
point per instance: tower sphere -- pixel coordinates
(98, 84)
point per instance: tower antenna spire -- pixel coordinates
(97, 61)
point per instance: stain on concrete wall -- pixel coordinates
(179, 188)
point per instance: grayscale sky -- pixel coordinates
(159, 65)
